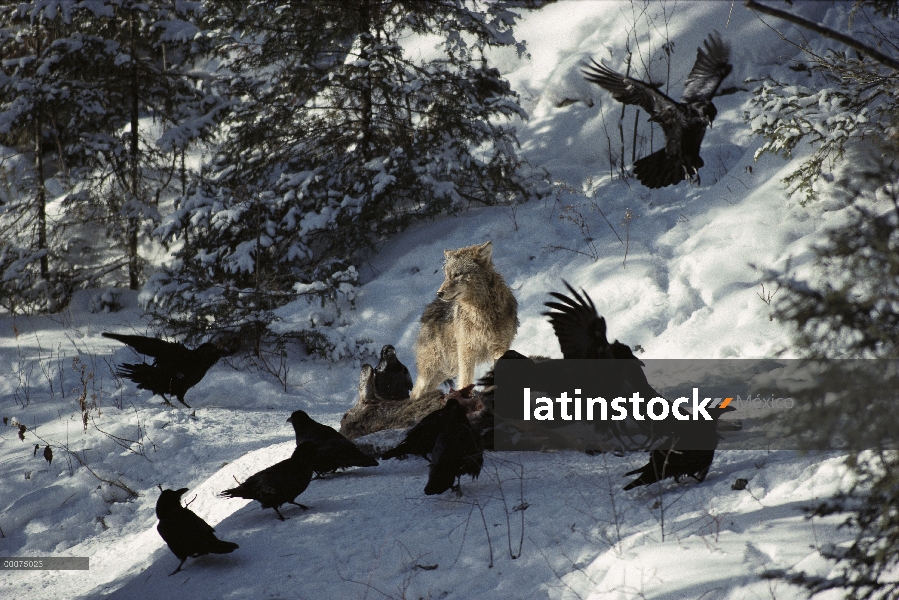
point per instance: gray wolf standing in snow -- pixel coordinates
(473, 320)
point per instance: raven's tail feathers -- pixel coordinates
(223, 547)
(658, 170)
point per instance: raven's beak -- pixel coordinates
(181, 491)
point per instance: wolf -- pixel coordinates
(473, 320)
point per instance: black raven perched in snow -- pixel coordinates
(333, 451)
(185, 533)
(280, 483)
(175, 368)
(421, 438)
(684, 122)
(700, 438)
(392, 378)
(457, 451)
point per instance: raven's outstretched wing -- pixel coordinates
(684, 123)
(629, 90)
(150, 346)
(148, 377)
(711, 67)
(579, 328)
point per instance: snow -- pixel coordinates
(676, 271)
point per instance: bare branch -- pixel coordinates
(880, 57)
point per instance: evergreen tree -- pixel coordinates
(111, 87)
(35, 109)
(841, 97)
(851, 310)
(152, 103)
(342, 138)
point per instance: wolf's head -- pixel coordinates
(462, 269)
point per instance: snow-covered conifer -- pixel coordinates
(344, 134)
(100, 99)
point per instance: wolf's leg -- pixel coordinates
(500, 346)
(435, 353)
(466, 366)
(430, 374)
(423, 384)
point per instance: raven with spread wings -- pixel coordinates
(582, 335)
(684, 122)
(175, 367)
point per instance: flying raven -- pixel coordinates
(333, 450)
(280, 483)
(684, 122)
(185, 533)
(689, 451)
(175, 368)
(392, 378)
(457, 451)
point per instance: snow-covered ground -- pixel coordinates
(534, 525)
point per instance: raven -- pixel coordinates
(333, 450)
(280, 483)
(684, 123)
(457, 451)
(488, 380)
(175, 368)
(185, 533)
(582, 335)
(698, 440)
(421, 438)
(392, 378)
(579, 328)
